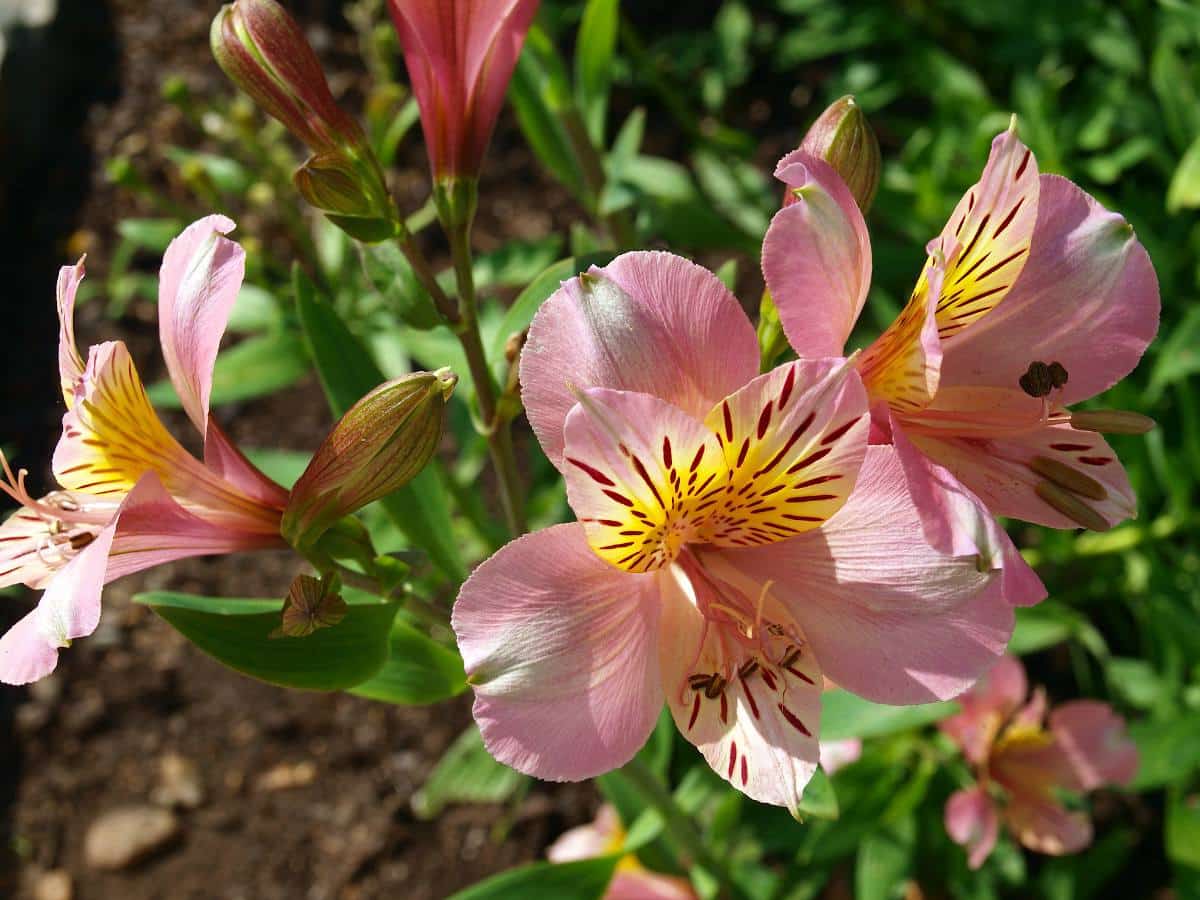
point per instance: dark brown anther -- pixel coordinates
(715, 688)
(699, 682)
(790, 657)
(81, 540)
(748, 668)
(1058, 374)
(1037, 381)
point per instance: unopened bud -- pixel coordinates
(843, 137)
(381, 442)
(264, 52)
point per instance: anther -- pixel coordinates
(716, 687)
(1042, 378)
(1112, 421)
(790, 657)
(699, 682)
(1066, 477)
(1071, 506)
(748, 668)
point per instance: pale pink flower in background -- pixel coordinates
(632, 881)
(1034, 297)
(737, 540)
(460, 56)
(838, 754)
(130, 495)
(1024, 759)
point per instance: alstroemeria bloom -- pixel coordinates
(460, 56)
(631, 881)
(737, 540)
(130, 495)
(1033, 297)
(1022, 764)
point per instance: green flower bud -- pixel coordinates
(843, 137)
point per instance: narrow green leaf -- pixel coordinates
(586, 879)
(1168, 750)
(538, 92)
(819, 800)
(255, 367)
(418, 671)
(420, 509)
(467, 773)
(1183, 828)
(235, 632)
(884, 860)
(594, 49)
(1184, 192)
(845, 715)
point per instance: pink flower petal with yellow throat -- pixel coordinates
(560, 648)
(649, 322)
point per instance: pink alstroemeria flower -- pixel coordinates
(631, 881)
(737, 541)
(1022, 765)
(131, 496)
(1034, 297)
(460, 56)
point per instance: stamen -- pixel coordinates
(1071, 479)
(1071, 506)
(1112, 421)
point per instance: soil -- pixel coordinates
(301, 796)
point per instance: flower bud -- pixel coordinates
(264, 52)
(381, 442)
(843, 137)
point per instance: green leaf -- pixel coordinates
(235, 632)
(594, 49)
(284, 467)
(1184, 192)
(149, 234)
(518, 316)
(516, 263)
(467, 773)
(228, 175)
(539, 92)
(885, 858)
(845, 715)
(1051, 623)
(418, 670)
(819, 799)
(1168, 750)
(420, 509)
(585, 879)
(1183, 828)
(255, 367)
(256, 309)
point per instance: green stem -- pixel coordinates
(424, 273)
(679, 826)
(421, 609)
(497, 432)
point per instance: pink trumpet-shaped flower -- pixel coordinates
(737, 540)
(1034, 297)
(1022, 764)
(131, 497)
(460, 56)
(631, 881)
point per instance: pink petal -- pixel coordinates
(887, 616)
(1094, 741)
(624, 454)
(794, 440)
(226, 461)
(639, 884)
(601, 836)
(560, 648)
(1088, 298)
(649, 322)
(70, 364)
(986, 242)
(198, 285)
(1045, 826)
(68, 609)
(154, 529)
(998, 470)
(971, 820)
(817, 257)
(460, 55)
(986, 707)
(759, 732)
(903, 366)
(838, 754)
(957, 523)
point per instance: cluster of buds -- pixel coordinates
(264, 52)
